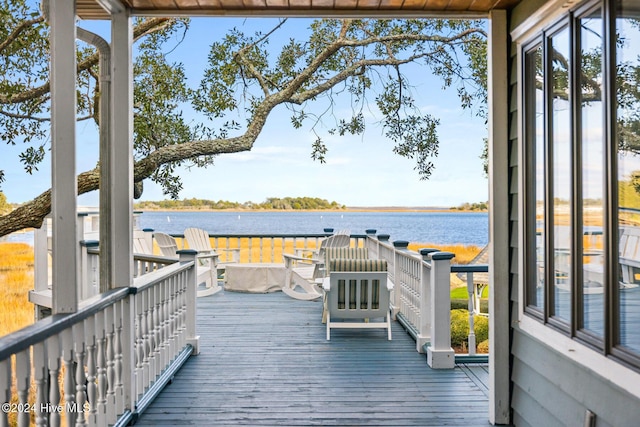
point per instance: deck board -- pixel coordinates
(265, 361)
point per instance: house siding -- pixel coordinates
(548, 388)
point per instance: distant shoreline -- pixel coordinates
(348, 209)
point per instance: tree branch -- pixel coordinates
(18, 30)
(141, 30)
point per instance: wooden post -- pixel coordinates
(189, 255)
(499, 297)
(424, 326)
(440, 355)
(120, 176)
(89, 274)
(64, 187)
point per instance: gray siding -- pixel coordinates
(549, 389)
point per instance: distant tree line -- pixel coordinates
(480, 206)
(287, 203)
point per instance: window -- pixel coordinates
(626, 298)
(581, 118)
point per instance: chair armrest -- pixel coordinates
(208, 255)
(234, 253)
(326, 284)
(389, 285)
(290, 258)
(301, 251)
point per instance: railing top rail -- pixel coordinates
(45, 328)
(470, 268)
(269, 235)
(148, 280)
(154, 258)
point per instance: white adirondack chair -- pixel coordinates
(357, 295)
(198, 239)
(299, 273)
(342, 239)
(167, 244)
(206, 270)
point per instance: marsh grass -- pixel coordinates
(16, 279)
(464, 254)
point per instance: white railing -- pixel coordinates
(89, 271)
(421, 298)
(263, 248)
(105, 363)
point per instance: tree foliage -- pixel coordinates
(245, 80)
(286, 203)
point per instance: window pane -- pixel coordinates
(535, 137)
(591, 110)
(561, 184)
(628, 126)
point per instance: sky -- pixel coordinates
(360, 170)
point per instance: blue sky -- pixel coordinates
(360, 170)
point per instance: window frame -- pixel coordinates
(607, 345)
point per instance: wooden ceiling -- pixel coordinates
(91, 9)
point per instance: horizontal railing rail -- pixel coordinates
(102, 364)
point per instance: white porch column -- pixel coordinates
(64, 187)
(120, 180)
(499, 303)
(440, 355)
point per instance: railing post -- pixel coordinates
(90, 276)
(189, 255)
(148, 237)
(371, 243)
(424, 326)
(440, 355)
(471, 307)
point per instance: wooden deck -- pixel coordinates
(265, 361)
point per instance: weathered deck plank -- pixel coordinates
(265, 361)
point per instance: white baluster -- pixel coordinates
(92, 373)
(69, 374)
(80, 378)
(146, 342)
(172, 308)
(118, 314)
(472, 333)
(40, 379)
(101, 361)
(150, 335)
(53, 360)
(182, 303)
(23, 377)
(166, 322)
(5, 389)
(157, 330)
(139, 346)
(110, 359)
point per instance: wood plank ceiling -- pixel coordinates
(90, 9)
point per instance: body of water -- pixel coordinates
(421, 227)
(424, 227)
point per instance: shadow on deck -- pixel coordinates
(265, 361)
